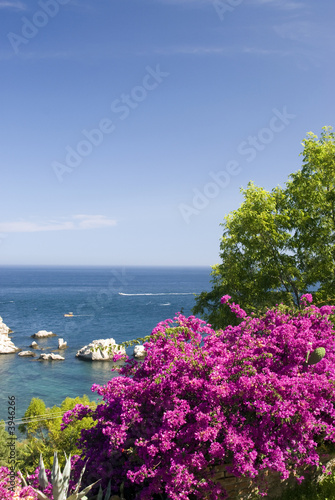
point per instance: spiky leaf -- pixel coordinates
(57, 480)
(40, 495)
(108, 491)
(99, 497)
(66, 475)
(42, 477)
(80, 479)
(82, 494)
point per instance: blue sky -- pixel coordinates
(128, 127)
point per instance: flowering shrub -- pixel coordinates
(6, 488)
(27, 492)
(244, 396)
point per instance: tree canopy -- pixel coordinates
(4, 450)
(42, 427)
(279, 244)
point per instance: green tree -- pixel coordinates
(278, 245)
(34, 424)
(65, 440)
(4, 450)
(311, 204)
(35, 428)
(42, 427)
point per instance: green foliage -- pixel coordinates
(66, 440)
(280, 244)
(35, 425)
(28, 453)
(4, 450)
(44, 434)
(311, 204)
(312, 490)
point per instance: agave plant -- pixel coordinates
(107, 494)
(60, 481)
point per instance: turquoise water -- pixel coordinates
(123, 303)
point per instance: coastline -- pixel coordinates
(31, 301)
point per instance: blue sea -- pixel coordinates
(118, 302)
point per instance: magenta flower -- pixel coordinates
(225, 299)
(307, 297)
(11, 488)
(327, 310)
(242, 396)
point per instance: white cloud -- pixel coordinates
(94, 221)
(293, 5)
(288, 5)
(84, 222)
(192, 50)
(186, 2)
(281, 4)
(32, 227)
(8, 4)
(298, 31)
(256, 51)
(221, 51)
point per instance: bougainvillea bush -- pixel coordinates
(9, 491)
(244, 396)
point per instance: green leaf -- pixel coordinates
(278, 244)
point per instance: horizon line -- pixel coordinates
(107, 265)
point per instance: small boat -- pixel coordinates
(68, 315)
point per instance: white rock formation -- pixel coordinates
(51, 357)
(139, 352)
(34, 345)
(100, 350)
(27, 353)
(6, 345)
(4, 329)
(62, 344)
(43, 334)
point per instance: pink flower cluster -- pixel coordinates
(27, 492)
(243, 396)
(239, 312)
(6, 487)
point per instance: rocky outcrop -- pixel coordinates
(34, 345)
(6, 345)
(139, 352)
(100, 350)
(51, 357)
(43, 334)
(27, 353)
(62, 344)
(4, 329)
